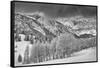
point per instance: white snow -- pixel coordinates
(81, 56)
(21, 46)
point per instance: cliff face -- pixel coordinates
(40, 24)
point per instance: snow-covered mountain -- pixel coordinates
(39, 21)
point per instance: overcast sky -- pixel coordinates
(55, 10)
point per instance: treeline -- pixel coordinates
(60, 47)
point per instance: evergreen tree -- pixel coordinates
(19, 58)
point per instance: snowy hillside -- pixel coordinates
(81, 56)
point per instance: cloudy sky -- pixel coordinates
(55, 10)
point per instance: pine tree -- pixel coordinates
(19, 58)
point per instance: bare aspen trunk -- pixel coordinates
(26, 56)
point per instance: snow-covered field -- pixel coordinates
(81, 56)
